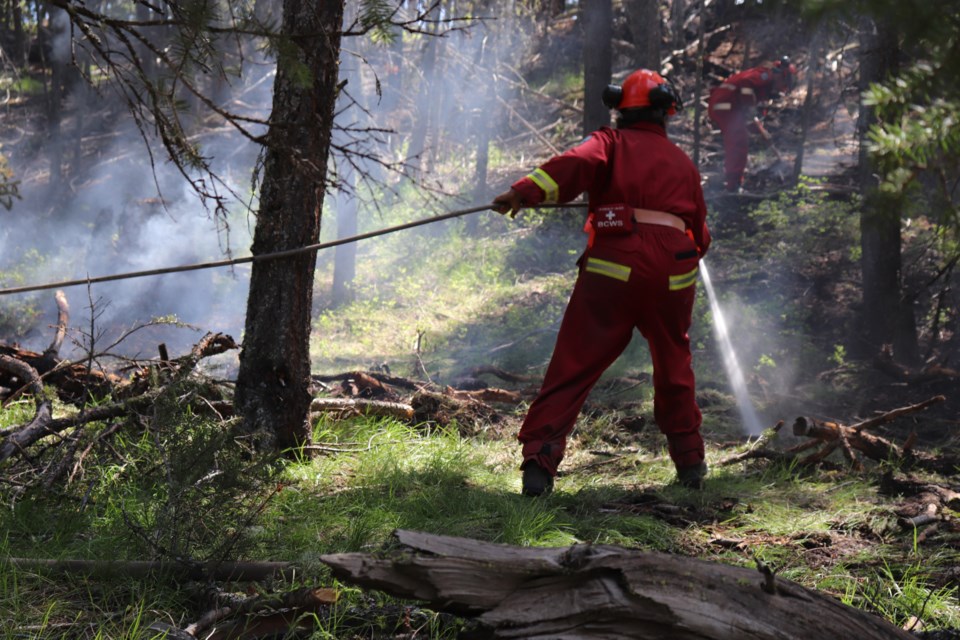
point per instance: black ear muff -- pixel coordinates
(664, 97)
(612, 96)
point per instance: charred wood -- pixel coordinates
(856, 438)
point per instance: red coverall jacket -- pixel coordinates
(645, 279)
(731, 107)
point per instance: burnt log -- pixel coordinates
(856, 437)
(587, 592)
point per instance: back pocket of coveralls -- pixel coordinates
(687, 278)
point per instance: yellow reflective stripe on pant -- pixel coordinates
(610, 269)
(550, 188)
(684, 280)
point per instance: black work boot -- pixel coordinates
(692, 477)
(537, 481)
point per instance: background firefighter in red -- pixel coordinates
(733, 108)
(642, 275)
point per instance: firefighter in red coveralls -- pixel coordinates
(733, 108)
(647, 233)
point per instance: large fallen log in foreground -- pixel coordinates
(588, 592)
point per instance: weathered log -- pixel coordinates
(855, 437)
(872, 446)
(490, 394)
(355, 406)
(587, 592)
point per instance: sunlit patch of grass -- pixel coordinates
(397, 477)
(901, 593)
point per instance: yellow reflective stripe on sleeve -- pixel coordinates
(683, 280)
(545, 182)
(610, 269)
(747, 91)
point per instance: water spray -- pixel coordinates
(751, 422)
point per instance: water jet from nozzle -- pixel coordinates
(751, 422)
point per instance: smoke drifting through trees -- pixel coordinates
(119, 209)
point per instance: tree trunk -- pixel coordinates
(643, 16)
(271, 392)
(698, 85)
(813, 70)
(887, 316)
(677, 36)
(597, 61)
(594, 592)
(424, 102)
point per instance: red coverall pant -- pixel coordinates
(657, 298)
(736, 143)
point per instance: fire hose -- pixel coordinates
(277, 255)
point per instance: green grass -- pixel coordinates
(372, 476)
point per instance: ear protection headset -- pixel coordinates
(643, 88)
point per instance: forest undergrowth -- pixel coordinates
(436, 305)
(433, 309)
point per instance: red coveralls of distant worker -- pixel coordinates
(644, 278)
(733, 107)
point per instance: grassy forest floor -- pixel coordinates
(438, 306)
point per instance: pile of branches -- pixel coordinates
(51, 450)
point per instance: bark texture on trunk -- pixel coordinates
(597, 591)
(887, 315)
(271, 393)
(643, 16)
(597, 61)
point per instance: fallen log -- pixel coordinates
(587, 592)
(855, 438)
(345, 407)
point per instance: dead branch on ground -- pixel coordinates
(602, 591)
(138, 395)
(825, 437)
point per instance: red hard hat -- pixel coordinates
(645, 88)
